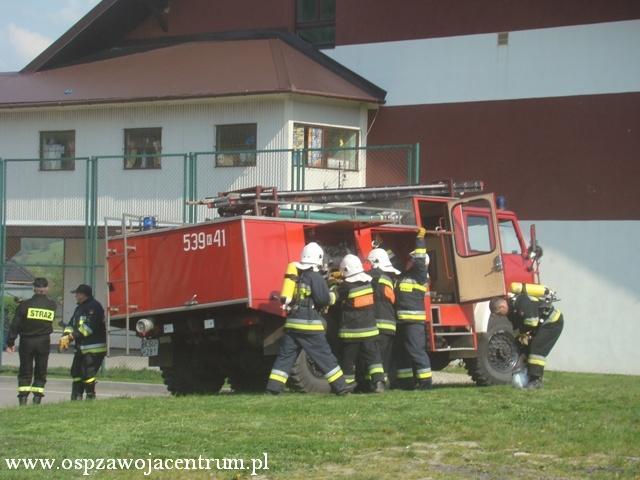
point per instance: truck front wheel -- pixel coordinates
(498, 354)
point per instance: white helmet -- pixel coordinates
(312, 256)
(352, 269)
(379, 258)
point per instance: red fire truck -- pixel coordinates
(205, 297)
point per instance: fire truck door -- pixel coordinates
(476, 247)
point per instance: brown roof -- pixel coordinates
(197, 69)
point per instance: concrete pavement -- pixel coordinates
(59, 390)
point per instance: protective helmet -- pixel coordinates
(312, 256)
(352, 269)
(379, 258)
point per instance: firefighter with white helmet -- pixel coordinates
(384, 276)
(414, 366)
(357, 330)
(304, 328)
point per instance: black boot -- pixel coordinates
(347, 389)
(22, 400)
(90, 389)
(425, 384)
(535, 383)
(77, 389)
(37, 399)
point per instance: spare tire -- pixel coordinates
(498, 353)
(305, 376)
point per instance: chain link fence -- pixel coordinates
(56, 213)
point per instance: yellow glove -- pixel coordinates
(422, 232)
(64, 342)
(335, 278)
(523, 339)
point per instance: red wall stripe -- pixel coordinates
(367, 21)
(566, 158)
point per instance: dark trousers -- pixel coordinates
(385, 346)
(367, 355)
(412, 361)
(541, 344)
(84, 369)
(33, 350)
(317, 348)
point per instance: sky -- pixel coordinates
(27, 27)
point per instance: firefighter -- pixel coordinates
(87, 329)
(413, 365)
(304, 328)
(357, 329)
(384, 276)
(33, 322)
(539, 324)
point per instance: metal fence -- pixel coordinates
(53, 221)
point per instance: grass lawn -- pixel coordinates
(116, 374)
(579, 426)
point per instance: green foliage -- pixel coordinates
(117, 374)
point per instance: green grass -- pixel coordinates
(579, 426)
(115, 374)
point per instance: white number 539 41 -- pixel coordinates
(192, 242)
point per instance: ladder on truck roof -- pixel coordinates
(268, 200)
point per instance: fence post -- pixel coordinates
(185, 186)
(194, 187)
(416, 163)
(94, 219)
(3, 232)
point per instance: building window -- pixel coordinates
(327, 147)
(57, 150)
(316, 22)
(236, 145)
(142, 148)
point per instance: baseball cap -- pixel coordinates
(82, 288)
(40, 282)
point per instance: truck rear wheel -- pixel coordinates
(255, 380)
(306, 377)
(498, 354)
(189, 375)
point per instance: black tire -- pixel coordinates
(498, 354)
(439, 360)
(188, 375)
(243, 381)
(306, 377)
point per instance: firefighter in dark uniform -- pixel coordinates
(539, 324)
(87, 329)
(357, 329)
(33, 323)
(304, 328)
(413, 365)
(384, 276)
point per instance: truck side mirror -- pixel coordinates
(534, 252)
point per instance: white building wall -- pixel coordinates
(59, 197)
(594, 265)
(550, 62)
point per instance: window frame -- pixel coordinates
(220, 153)
(462, 230)
(324, 150)
(157, 155)
(316, 23)
(70, 161)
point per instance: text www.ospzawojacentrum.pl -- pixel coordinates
(147, 466)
